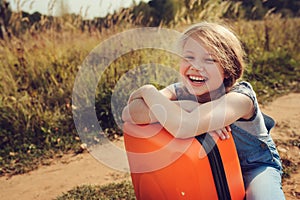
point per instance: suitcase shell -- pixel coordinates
(163, 167)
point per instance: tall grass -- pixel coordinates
(37, 75)
(273, 55)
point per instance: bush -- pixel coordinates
(35, 103)
(273, 74)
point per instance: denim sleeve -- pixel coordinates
(246, 89)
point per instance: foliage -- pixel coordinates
(117, 191)
(142, 66)
(40, 60)
(35, 102)
(152, 13)
(273, 57)
(258, 9)
(282, 74)
(157, 12)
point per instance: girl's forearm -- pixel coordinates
(214, 115)
(175, 119)
(155, 107)
(138, 112)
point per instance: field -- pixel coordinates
(38, 71)
(83, 177)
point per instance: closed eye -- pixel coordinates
(210, 60)
(189, 57)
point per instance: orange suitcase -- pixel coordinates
(163, 167)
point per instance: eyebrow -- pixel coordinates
(188, 51)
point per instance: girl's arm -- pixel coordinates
(206, 117)
(138, 112)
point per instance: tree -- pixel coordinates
(163, 11)
(285, 7)
(156, 12)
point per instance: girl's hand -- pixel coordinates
(138, 94)
(223, 133)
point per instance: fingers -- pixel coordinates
(134, 95)
(223, 133)
(228, 128)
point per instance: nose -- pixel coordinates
(195, 67)
(197, 64)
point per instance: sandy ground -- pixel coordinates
(286, 111)
(48, 182)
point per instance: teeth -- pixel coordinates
(196, 78)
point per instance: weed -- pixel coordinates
(117, 191)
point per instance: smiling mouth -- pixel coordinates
(197, 79)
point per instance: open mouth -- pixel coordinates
(197, 79)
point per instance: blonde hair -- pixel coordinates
(225, 46)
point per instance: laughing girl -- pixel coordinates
(210, 98)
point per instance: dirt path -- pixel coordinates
(286, 112)
(50, 181)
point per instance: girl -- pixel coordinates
(208, 99)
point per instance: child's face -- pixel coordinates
(200, 70)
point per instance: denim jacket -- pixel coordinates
(254, 149)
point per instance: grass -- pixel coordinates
(115, 191)
(273, 56)
(37, 73)
(38, 69)
(124, 190)
(36, 120)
